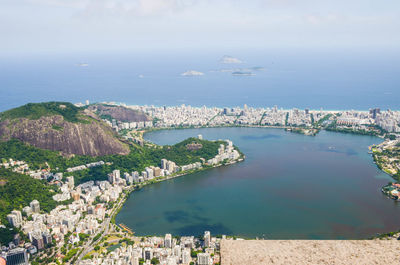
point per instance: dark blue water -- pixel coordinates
(290, 186)
(303, 79)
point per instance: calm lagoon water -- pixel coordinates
(290, 186)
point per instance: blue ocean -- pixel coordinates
(301, 79)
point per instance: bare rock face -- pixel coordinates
(91, 137)
(120, 113)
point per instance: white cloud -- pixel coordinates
(112, 24)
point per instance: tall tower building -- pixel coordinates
(203, 259)
(168, 241)
(35, 206)
(18, 214)
(186, 258)
(117, 174)
(17, 256)
(164, 163)
(71, 182)
(207, 239)
(13, 220)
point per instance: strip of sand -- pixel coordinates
(248, 252)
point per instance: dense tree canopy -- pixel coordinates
(36, 110)
(137, 159)
(18, 190)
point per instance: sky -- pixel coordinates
(68, 26)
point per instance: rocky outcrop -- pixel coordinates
(120, 113)
(89, 137)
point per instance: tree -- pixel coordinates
(155, 261)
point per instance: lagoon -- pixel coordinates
(290, 186)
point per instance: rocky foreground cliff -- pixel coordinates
(55, 130)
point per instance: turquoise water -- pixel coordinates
(290, 186)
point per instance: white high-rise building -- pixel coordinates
(35, 206)
(13, 220)
(18, 214)
(171, 166)
(207, 239)
(117, 174)
(71, 182)
(186, 258)
(150, 172)
(203, 259)
(135, 260)
(147, 253)
(168, 241)
(171, 261)
(177, 251)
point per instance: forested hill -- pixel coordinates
(137, 159)
(35, 111)
(60, 126)
(18, 190)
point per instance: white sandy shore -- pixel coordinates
(249, 252)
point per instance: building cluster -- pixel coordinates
(149, 173)
(84, 215)
(120, 125)
(82, 167)
(296, 117)
(89, 206)
(180, 115)
(23, 168)
(193, 116)
(166, 250)
(387, 120)
(362, 120)
(37, 232)
(14, 256)
(186, 116)
(392, 190)
(225, 153)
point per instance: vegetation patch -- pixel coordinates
(138, 159)
(20, 190)
(35, 111)
(57, 127)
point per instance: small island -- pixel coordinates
(226, 59)
(238, 73)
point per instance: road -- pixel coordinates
(105, 227)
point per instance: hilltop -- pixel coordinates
(60, 126)
(35, 111)
(119, 113)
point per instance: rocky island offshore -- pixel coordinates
(75, 193)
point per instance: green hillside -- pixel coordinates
(137, 159)
(34, 111)
(17, 191)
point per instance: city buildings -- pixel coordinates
(35, 206)
(207, 239)
(17, 256)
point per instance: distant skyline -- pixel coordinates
(68, 26)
